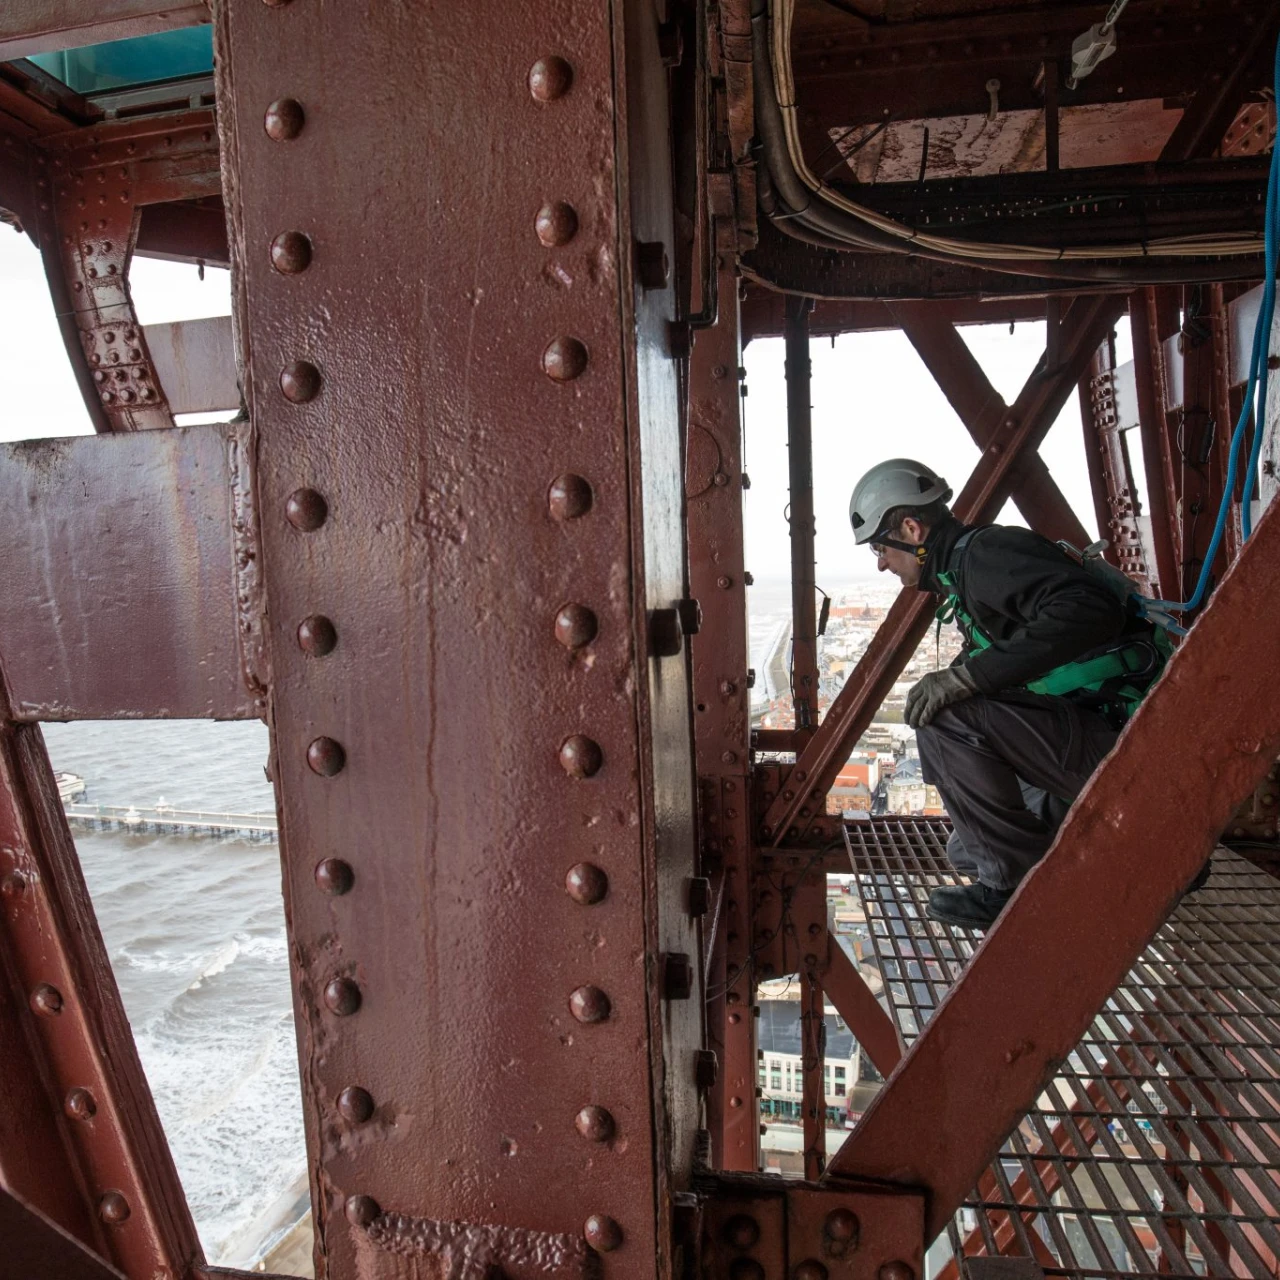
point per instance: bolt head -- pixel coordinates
(569, 497)
(113, 1208)
(284, 120)
(595, 1124)
(549, 79)
(745, 1269)
(897, 1270)
(342, 997)
(361, 1211)
(13, 886)
(842, 1225)
(602, 1233)
(305, 509)
(564, 359)
(741, 1231)
(580, 756)
(556, 224)
(79, 1104)
(586, 883)
(576, 626)
(810, 1269)
(46, 1000)
(355, 1104)
(291, 252)
(317, 635)
(589, 1004)
(334, 877)
(326, 757)
(300, 381)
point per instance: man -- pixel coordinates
(1055, 660)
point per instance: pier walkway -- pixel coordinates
(170, 821)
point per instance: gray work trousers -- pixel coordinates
(1008, 767)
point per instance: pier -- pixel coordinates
(165, 819)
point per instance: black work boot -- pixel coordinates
(970, 906)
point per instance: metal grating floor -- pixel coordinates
(1156, 1150)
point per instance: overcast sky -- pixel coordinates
(872, 399)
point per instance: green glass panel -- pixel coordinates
(125, 64)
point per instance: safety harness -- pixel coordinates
(1118, 677)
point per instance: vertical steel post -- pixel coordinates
(804, 622)
(812, 1067)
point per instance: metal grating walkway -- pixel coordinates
(1156, 1150)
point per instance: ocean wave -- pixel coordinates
(219, 964)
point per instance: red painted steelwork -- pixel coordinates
(36, 1248)
(800, 518)
(984, 413)
(812, 1061)
(1080, 919)
(70, 24)
(719, 653)
(479, 438)
(1037, 406)
(165, 533)
(131, 1205)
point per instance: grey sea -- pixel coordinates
(194, 928)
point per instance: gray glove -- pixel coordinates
(938, 689)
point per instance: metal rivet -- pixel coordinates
(586, 883)
(113, 1208)
(317, 635)
(580, 756)
(556, 223)
(334, 876)
(300, 381)
(14, 885)
(569, 497)
(698, 895)
(653, 267)
(589, 1004)
(594, 1123)
(741, 1231)
(735, 1101)
(305, 509)
(361, 1211)
(896, 1271)
(706, 1069)
(677, 976)
(564, 359)
(724, 582)
(326, 757)
(291, 252)
(46, 1000)
(842, 1225)
(79, 1105)
(576, 625)
(284, 120)
(810, 1269)
(603, 1234)
(549, 79)
(342, 997)
(355, 1104)
(128, 395)
(745, 1269)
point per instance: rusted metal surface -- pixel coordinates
(812, 1059)
(442, 491)
(1037, 406)
(46, 25)
(764, 314)
(1048, 981)
(719, 656)
(128, 1204)
(185, 231)
(36, 1248)
(105, 538)
(195, 361)
(984, 413)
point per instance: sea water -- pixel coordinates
(194, 928)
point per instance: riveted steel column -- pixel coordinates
(800, 517)
(713, 484)
(469, 487)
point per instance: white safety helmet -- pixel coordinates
(900, 482)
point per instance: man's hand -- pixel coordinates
(938, 689)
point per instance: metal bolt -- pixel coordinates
(556, 224)
(284, 120)
(13, 886)
(653, 267)
(698, 895)
(291, 252)
(317, 635)
(720, 479)
(326, 757)
(589, 1004)
(334, 877)
(564, 359)
(580, 756)
(595, 1124)
(586, 883)
(342, 997)
(896, 1271)
(728, 688)
(576, 626)
(355, 1104)
(666, 635)
(810, 1269)
(300, 381)
(602, 1233)
(80, 1105)
(549, 79)
(746, 1268)
(113, 1208)
(362, 1210)
(569, 497)
(728, 757)
(842, 1225)
(724, 582)
(706, 1068)
(46, 1000)
(677, 976)
(748, 579)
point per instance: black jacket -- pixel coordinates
(1037, 605)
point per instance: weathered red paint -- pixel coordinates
(37, 1248)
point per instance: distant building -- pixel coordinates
(909, 793)
(781, 1077)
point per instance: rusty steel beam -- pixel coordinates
(1038, 404)
(36, 1248)
(103, 535)
(1030, 992)
(984, 413)
(51, 25)
(59, 972)
(872, 1027)
(470, 487)
(800, 517)
(813, 1103)
(719, 655)
(185, 231)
